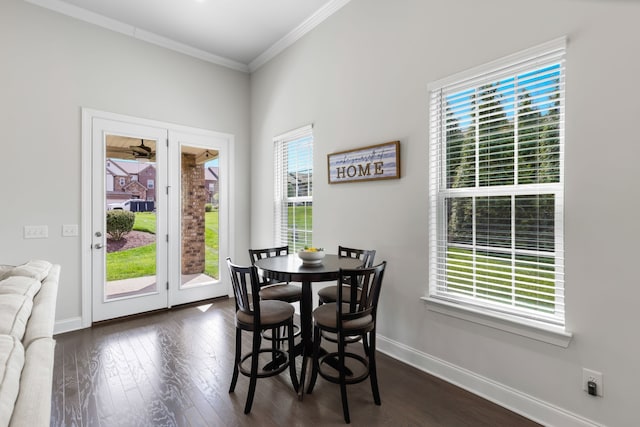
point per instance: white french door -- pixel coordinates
(170, 183)
(197, 226)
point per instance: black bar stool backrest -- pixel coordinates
(369, 285)
(257, 254)
(246, 288)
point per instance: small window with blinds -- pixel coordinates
(294, 188)
(496, 187)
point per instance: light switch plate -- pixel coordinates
(69, 230)
(36, 231)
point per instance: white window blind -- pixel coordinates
(294, 188)
(496, 186)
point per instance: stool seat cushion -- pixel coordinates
(271, 313)
(330, 293)
(325, 316)
(283, 292)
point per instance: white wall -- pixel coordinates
(52, 66)
(361, 77)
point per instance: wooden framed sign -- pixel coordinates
(381, 161)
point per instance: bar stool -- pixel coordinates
(347, 319)
(255, 316)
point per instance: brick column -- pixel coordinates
(194, 197)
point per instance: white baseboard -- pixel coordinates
(67, 325)
(530, 407)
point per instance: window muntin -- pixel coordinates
(496, 187)
(294, 188)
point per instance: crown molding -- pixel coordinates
(137, 33)
(129, 30)
(188, 50)
(307, 25)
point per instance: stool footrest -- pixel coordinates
(267, 334)
(335, 377)
(329, 336)
(280, 356)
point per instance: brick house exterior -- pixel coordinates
(147, 178)
(194, 197)
(135, 190)
(129, 180)
(211, 184)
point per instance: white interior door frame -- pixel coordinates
(225, 143)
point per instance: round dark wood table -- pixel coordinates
(289, 268)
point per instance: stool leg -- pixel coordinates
(292, 359)
(254, 371)
(278, 336)
(275, 345)
(343, 379)
(373, 373)
(317, 336)
(234, 378)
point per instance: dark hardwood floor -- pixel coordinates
(173, 368)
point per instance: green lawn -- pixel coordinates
(137, 262)
(145, 221)
(494, 274)
(141, 261)
(212, 255)
(301, 218)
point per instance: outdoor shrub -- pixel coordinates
(119, 223)
(208, 207)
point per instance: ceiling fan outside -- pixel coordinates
(142, 151)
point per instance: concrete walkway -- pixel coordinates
(147, 284)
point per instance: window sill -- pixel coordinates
(526, 328)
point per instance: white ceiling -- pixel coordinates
(240, 34)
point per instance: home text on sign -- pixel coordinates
(352, 171)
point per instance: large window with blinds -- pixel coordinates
(496, 187)
(294, 188)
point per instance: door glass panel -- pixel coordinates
(199, 179)
(131, 223)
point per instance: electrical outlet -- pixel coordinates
(589, 375)
(36, 232)
(69, 230)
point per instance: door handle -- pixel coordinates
(97, 246)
